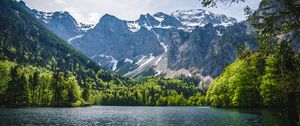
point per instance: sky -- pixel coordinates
(90, 11)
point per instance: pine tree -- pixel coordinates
(12, 86)
(34, 82)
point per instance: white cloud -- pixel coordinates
(93, 17)
(89, 11)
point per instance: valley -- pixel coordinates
(190, 57)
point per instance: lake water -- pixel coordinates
(140, 116)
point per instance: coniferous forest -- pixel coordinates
(37, 68)
(37, 86)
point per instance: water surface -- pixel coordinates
(140, 116)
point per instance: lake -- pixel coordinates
(140, 116)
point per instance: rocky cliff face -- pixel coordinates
(111, 40)
(185, 43)
(199, 17)
(61, 23)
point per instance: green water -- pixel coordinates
(141, 116)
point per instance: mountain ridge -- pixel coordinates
(62, 23)
(162, 27)
(27, 42)
(184, 43)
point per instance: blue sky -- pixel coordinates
(90, 11)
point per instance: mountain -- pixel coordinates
(39, 68)
(60, 22)
(26, 42)
(189, 43)
(199, 17)
(115, 41)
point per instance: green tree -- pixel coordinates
(34, 82)
(22, 98)
(57, 88)
(237, 86)
(12, 87)
(4, 79)
(72, 92)
(45, 89)
(17, 88)
(269, 88)
(277, 24)
(86, 95)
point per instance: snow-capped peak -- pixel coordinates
(199, 17)
(57, 15)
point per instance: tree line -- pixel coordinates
(37, 86)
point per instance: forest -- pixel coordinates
(39, 69)
(269, 76)
(37, 86)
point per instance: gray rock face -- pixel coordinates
(223, 49)
(185, 43)
(112, 38)
(194, 50)
(167, 20)
(61, 23)
(208, 50)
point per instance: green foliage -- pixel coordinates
(72, 92)
(269, 87)
(17, 88)
(277, 25)
(151, 91)
(4, 79)
(49, 71)
(37, 86)
(32, 86)
(258, 80)
(277, 17)
(237, 85)
(25, 42)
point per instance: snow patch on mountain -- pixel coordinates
(148, 60)
(164, 46)
(76, 37)
(148, 27)
(226, 24)
(219, 33)
(158, 60)
(158, 72)
(133, 26)
(140, 60)
(85, 27)
(113, 61)
(62, 24)
(127, 60)
(198, 17)
(46, 16)
(160, 19)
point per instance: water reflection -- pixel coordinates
(141, 116)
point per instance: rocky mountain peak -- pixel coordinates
(200, 17)
(187, 42)
(167, 20)
(147, 21)
(107, 18)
